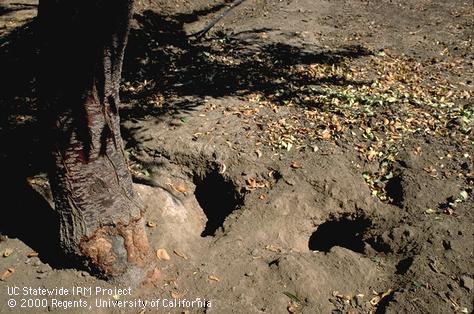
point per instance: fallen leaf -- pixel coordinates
(180, 254)
(273, 248)
(386, 293)
(214, 278)
(151, 224)
(293, 297)
(296, 165)
(7, 273)
(326, 134)
(253, 184)
(375, 300)
(429, 211)
(222, 169)
(179, 188)
(7, 252)
(175, 295)
(163, 255)
(431, 170)
(343, 297)
(292, 308)
(433, 266)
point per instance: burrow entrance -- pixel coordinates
(394, 190)
(218, 197)
(346, 232)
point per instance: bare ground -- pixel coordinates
(315, 156)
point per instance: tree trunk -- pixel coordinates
(82, 49)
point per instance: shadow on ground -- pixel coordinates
(26, 215)
(14, 7)
(165, 73)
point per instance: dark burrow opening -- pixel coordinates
(394, 190)
(404, 265)
(218, 198)
(345, 232)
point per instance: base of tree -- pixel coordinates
(121, 253)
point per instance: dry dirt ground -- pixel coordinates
(314, 156)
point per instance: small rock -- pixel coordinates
(467, 282)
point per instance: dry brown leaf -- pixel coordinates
(296, 165)
(214, 278)
(253, 184)
(431, 170)
(273, 248)
(386, 293)
(180, 254)
(7, 273)
(375, 300)
(343, 297)
(151, 224)
(175, 295)
(7, 252)
(326, 134)
(222, 169)
(163, 255)
(292, 308)
(181, 188)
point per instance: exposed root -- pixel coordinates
(120, 251)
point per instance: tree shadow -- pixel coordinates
(14, 7)
(165, 72)
(27, 215)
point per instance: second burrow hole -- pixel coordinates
(346, 231)
(218, 196)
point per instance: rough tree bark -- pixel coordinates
(82, 49)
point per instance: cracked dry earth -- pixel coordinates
(313, 157)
